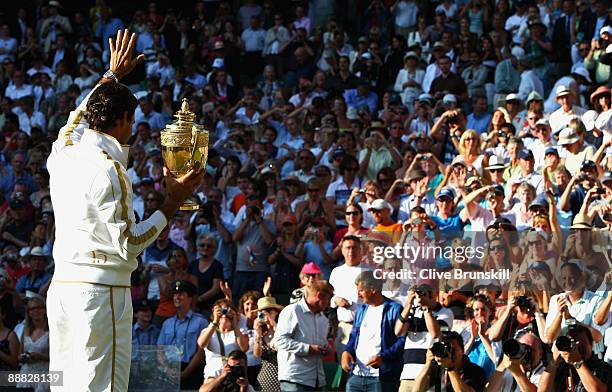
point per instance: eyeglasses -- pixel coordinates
(312, 190)
(496, 170)
(534, 243)
(205, 245)
(495, 248)
(150, 199)
(470, 139)
(354, 213)
(376, 211)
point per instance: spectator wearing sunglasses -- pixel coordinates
(339, 191)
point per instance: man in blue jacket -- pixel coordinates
(373, 356)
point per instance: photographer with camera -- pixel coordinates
(521, 312)
(253, 239)
(574, 194)
(421, 321)
(446, 364)
(233, 376)
(447, 132)
(523, 360)
(574, 366)
(222, 335)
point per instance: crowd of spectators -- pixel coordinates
(338, 129)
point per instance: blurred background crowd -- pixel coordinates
(337, 127)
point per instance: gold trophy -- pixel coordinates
(183, 143)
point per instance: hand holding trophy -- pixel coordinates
(184, 147)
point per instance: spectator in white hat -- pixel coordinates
(574, 151)
(562, 116)
(543, 141)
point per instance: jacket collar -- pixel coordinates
(108, 144)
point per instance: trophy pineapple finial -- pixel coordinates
(185, 115)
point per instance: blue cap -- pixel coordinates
(551, 150)
(525, 154)
(497, 188)
(539, 202)
(606, 177)
(446, 192)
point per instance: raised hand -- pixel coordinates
(121, 61)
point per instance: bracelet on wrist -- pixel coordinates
(402, 319)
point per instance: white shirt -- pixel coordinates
(343, 280)
(214, 358)
(97, 239)
(509, 384)
(10, 47)
(538, 148)
(298, 327)
(164, 73)
(559, 119)
(369, 342)
(36, 120)
(13, 92)
(254, 40)
(198, 80)
(406, 14)
(530, 82)
(515, 20)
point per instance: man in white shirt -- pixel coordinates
(339, 191)
(8, 44)
(161, 69)
(97, 239)
(253, 42)
(373, 356)
(514, 22)
(543, 141)
(18, 89)
(301, 339)
(561, 117)
(346, 297)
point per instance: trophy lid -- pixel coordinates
(185, 115)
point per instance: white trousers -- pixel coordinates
(90, 336)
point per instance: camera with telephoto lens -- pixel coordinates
(237, 371)
(517, 350)
(224, 310)
(565, 342)
(442, 348)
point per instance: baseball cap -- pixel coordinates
(288, 218)
(581, 71)
(551, 150)
(411, 55)
(588, 165)
(142, 304)
(513, 97)
(562, 90)
(542, 121)
(607, 177)
(605, 29)
(518, 52)
(525, 154)
(310, 268)
(380, 204)
(534, 96)
(499, 189)
(473, 179)
(449, 98)
(538, 202)
(425, 98)
(446, 192)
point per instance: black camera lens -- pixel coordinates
(440, 349)
(513, 348)
(565, 343)
(224, 310)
